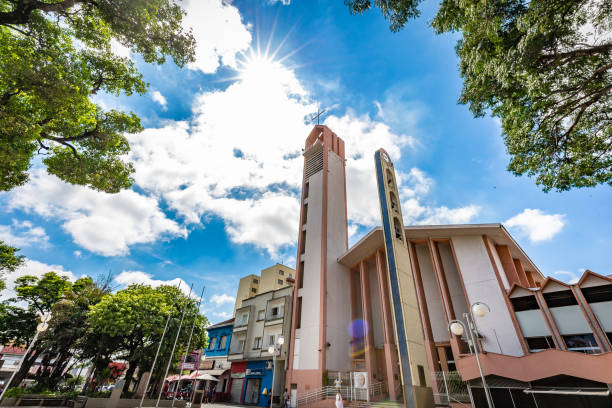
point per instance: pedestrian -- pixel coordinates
(285, 399)
(339, 403)
(214, 393)
(208, 395)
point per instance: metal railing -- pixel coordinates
(450, 388)
(348, 393)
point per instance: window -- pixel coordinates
(240, 345)
(559, 299)
(261, 315)
(301, 276)
(305, 215)
(271, 340)
(275, 311)
(280, 281)
(256, 281)
(596, 294)
(522, 303)
(536, 344)
(223, 342)
(257, 343)
(306, 190)
(397, 229)
(290, 275)
(213, 342)
(281, 272)
(584, 343)
(298, 316)
(244, 319)
(303, 242)
(450, 358)
(254, 290)
(393, 201)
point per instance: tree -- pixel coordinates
(131, 323)
(545, 68)
(9, 260)
(40, 295)
(54, 57)
(68, 326)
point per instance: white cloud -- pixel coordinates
(219, 32)
(222, 299)
(127, 278)
(119, 49)
(536, 225)
(23, 234)
(223, 315)
(160, 99)
(102, 223)
(238, 159)
(33, 268)
(78, 254)
(567, 276)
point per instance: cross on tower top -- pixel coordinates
(317, 116)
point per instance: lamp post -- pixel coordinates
(273, 349)
(457, 327)
(42, 326)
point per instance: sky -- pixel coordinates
(218, 166)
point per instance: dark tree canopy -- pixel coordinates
(54, 57)
(544, 67)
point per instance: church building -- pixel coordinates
(416, 314)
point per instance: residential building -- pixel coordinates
(213, 362)
(247, 288)
(10, 357)
(382, 308)
(259, 323)
(274, 277)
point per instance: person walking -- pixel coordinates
(339, 403)
(285, 399)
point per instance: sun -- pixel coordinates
(259, 68)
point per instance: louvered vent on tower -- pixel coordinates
(314, 163)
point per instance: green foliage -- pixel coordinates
(89, 323)
(545, 68)
(54, 57)
(129, 325)
(9, 260)
(15, 392)
(41, 294)
(397, 12)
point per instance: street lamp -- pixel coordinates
(42, 326)
(457, 327)
(273, 349)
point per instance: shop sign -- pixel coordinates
(207, 364)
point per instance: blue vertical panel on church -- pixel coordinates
(397, 303)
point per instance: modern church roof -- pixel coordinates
(373, 240)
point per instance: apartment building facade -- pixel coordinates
(259, 323)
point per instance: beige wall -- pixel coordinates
(275, 277)
(248, 287)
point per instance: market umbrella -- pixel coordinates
(206, 377)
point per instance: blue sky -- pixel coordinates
(218, 167)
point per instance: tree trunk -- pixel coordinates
(128, 376)
(25, 368)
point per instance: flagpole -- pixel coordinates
(157, 354)
(173, 347)
(188, 345)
